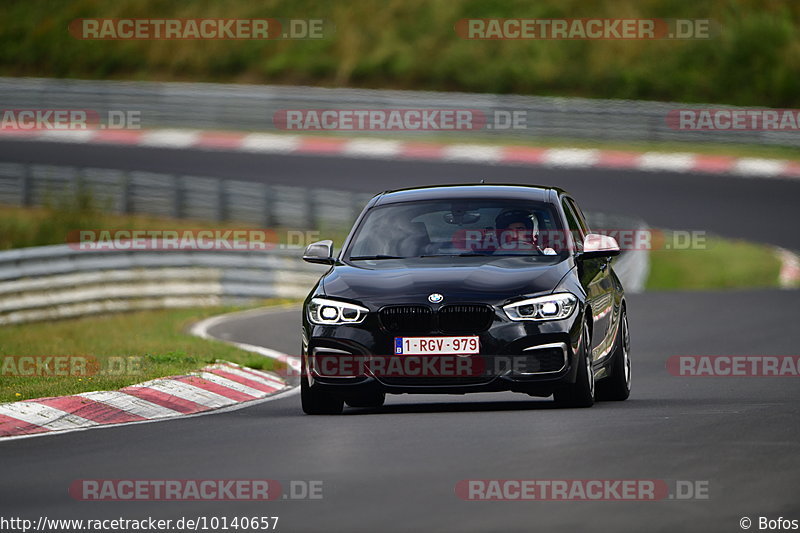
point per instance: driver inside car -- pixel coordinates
(517, 232)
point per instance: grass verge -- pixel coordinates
(40, 226)
(723, 264)
(129, 348)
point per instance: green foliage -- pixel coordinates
(723, 264)
(753, 59)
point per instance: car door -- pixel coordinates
(595, 278)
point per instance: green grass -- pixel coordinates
(39, 226)
(724, 264)
(158, 340)
(411, 44)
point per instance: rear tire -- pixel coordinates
(617, 386)
(317, 402)
(580, 393)
(366, 399)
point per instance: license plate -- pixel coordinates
(436, 345)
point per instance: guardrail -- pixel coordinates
(59, 281)
(168, 195)
(252, 107)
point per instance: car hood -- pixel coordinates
(462, 279)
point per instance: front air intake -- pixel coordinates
(406, 319)
(465, 318)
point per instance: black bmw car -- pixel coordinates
(468, 288)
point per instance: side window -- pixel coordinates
(573, 224)
(579, 215)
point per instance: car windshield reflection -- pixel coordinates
(473, 228)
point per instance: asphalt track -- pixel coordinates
(395, 469)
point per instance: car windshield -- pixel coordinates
(462, 228)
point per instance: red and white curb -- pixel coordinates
(429, 151)
(217, 388)
(214, 387)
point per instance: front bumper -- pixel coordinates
(531, 357)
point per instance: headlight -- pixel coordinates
(551, 307)
(330, 312)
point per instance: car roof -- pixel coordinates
(536, 193)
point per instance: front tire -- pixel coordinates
(617, 386)
(580, 393)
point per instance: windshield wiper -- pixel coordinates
(372, 257)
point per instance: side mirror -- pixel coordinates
(319, 252)
(597, 245)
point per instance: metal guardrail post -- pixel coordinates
(270, 217)
(222, 202)
(355, 206)
(179, 198)
(26, 185)
(126, 203)
(312, 220)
